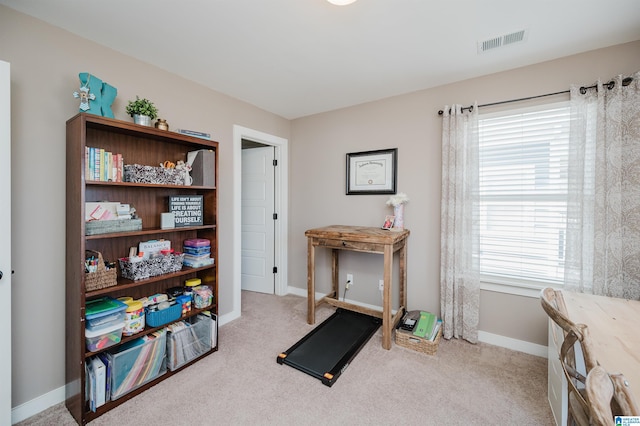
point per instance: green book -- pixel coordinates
(425, 324)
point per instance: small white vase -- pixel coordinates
(398, 212)
(143, 120)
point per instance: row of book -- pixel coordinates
(101, 165)
(428, 326)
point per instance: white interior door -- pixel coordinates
(5, 242)
(257, 254)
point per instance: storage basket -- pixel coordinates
(408, 340)
(103, 277)
(96, 227)
(137, 362)
(165, 316)
(187, 341)
(137, 173)
(148, 268)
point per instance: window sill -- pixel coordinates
(517, 288)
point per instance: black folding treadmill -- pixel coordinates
(326, 352)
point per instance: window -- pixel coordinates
(523, 195)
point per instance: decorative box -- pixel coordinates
(147, 268)
(96, 227)
(137, 173)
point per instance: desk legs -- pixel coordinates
(386, 298)
(311, 290)
(335, 274)
(403, 276)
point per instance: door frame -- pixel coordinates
(281, 206)
(5, 251)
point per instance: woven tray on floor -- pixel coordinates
(408, 340)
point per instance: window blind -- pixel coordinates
(523, 193)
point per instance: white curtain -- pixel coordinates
(459, 237)
(603, 218)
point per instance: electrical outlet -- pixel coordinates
(350, 279)
(381, 285)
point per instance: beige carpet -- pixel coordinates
(242, 384)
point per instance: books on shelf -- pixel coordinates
(97, 374)
(197, 134)
(103, 166)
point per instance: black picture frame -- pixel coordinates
(372, 172)
(187, 209)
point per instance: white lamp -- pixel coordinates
(341, 2)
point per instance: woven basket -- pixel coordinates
(103, 277)
(408, 340)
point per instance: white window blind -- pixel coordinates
(523, 194)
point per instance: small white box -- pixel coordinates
(167, 220)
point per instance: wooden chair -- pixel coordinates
(577, 355)
(576, 371)
(609, 396)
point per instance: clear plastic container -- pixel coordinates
(104, 313)
(103, 338)
(133, 318)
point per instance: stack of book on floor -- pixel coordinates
(428, 326)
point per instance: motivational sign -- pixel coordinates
(187, 210)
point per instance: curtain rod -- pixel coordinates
(583, 90)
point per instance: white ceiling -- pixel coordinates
(301, 57)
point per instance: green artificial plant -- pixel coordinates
(142, 107)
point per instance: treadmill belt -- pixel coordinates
(328, 349)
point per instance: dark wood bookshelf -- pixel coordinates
(138, 145)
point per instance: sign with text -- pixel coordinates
(187, 210)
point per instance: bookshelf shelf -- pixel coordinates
(143, 231)
(137, 145)
(148, 185)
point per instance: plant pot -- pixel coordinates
(143, 120)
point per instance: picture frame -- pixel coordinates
(372, 172)
(187, 210)
(389, 220)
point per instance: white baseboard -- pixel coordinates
(37, 405)
(513, 344)
(226, 318)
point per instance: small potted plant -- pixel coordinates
(142, 111)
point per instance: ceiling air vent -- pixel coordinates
(503, 40)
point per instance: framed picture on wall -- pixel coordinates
(372, 172)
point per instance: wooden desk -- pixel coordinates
(613, 327)
(362, 239)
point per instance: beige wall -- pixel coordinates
(45, 62)
(411, 124)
